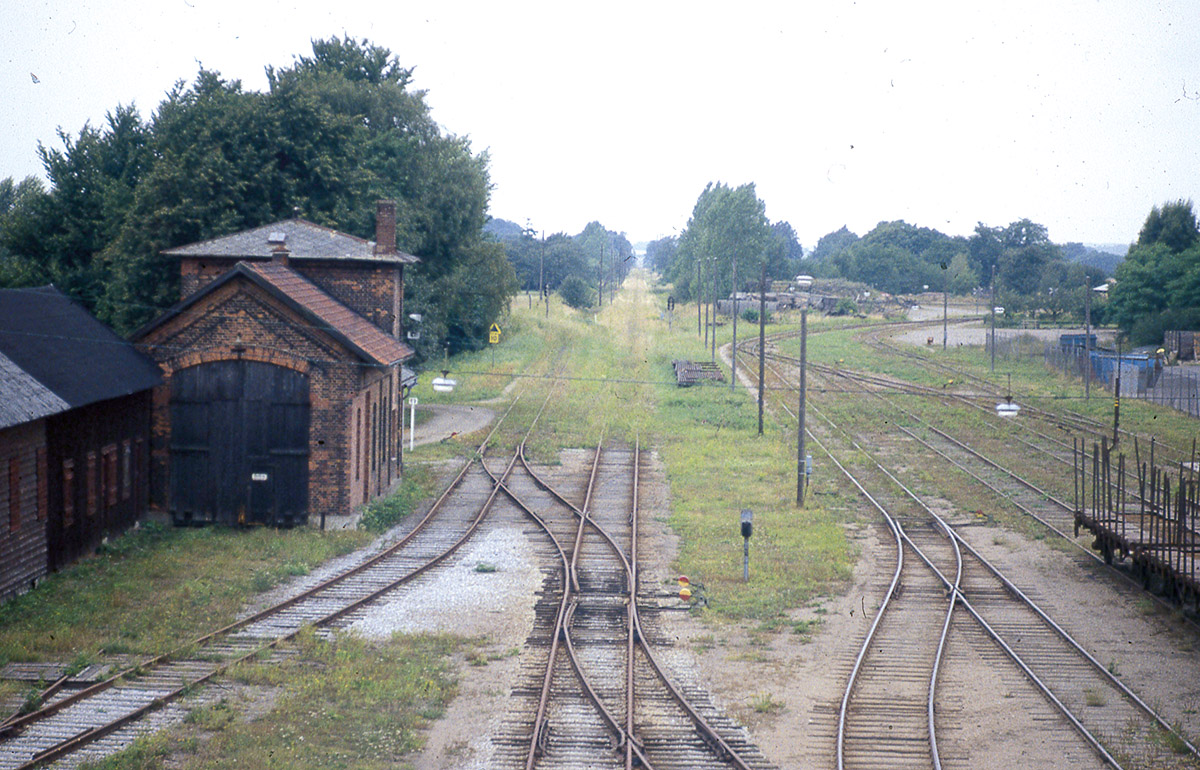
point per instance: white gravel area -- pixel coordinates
(462, 598)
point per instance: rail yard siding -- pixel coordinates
(23, 549)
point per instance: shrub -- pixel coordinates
(845, 307)
(751, 314)
(575, 293)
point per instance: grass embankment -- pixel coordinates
(150, 589)
(340, 704)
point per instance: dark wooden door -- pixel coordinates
(239, 444)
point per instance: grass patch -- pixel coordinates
(765, 703)
(152, 587)
(383, 513)
(345, 703)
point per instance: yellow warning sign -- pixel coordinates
(494, 334)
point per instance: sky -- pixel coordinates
(1077, 114)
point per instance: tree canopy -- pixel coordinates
(728, 227)
(1158, 285)
(334, 132)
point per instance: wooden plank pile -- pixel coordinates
(690, 372)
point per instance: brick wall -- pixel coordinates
(22, 507)
(240, 315)
(365, 288)
(195, 274)
(374, 438)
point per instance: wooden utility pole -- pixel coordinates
(733, 357)
(713, 356)
(1117, 398)
(800, 456)
(762, 338)
(1087, 336)
(698, 303)
(542, 275)
(992, 298)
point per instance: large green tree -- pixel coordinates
(728, 226)
(1158, 285)
(334, 132)
(894, 257)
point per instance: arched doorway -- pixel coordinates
(239, 444)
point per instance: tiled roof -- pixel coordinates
(62, 348)
(335, 317)
(303, 239)
(22, 398)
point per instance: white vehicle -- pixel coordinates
(803, 281)
(998, 310)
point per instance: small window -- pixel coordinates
(14, 494)
(68, 492)
(109, 474)
(43, 480)
(91, 484)
(358, 443)
(126, 469)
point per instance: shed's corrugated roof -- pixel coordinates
(22, 398)
(363, 335)
(303, 239)
(58, 344)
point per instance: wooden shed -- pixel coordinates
(74, 432)
(284, 377)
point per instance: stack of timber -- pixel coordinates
(690, 372)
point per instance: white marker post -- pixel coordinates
(412, 421)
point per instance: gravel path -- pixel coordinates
(449, 421)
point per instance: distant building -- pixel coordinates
(74, 434)
(284, 375)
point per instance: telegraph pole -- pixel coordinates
(698, 303)
(713, 356)
(733, 358)
(1087, 337)
(542, 275)
(800, 430)
(762, 347)
(1117, 398)
(944, 316)
(992, 298)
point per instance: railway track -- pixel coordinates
(946, 604)
(107, 715)
(594, 694)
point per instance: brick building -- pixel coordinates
(74, 432)
(284, 375)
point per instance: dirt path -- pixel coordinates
(449, 421)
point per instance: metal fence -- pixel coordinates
(1141, 376)
(1177, 387)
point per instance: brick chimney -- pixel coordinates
(385, 227)
(279, 249)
